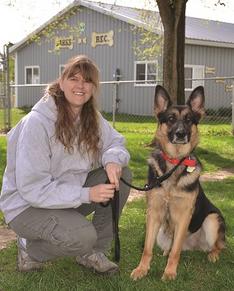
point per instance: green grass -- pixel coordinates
(216, 151)
(16, 115)
(194, 271)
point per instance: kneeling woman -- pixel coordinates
(59, 157)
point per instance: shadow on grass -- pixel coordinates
(207, 156)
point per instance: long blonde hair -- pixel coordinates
(86, 132)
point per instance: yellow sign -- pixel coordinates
(82, 40)
(220, 80)
(228, 88)
(102, 38)
(210, 70)
(64, 42)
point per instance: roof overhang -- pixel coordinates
(202, 42)
(96, 6)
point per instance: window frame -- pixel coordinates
(146, 73)
(196, 83)
(61, 68)
(25, 74)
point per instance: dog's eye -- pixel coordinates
(188, 118)
(171, 118)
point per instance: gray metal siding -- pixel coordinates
(222, 60)
(133, 100)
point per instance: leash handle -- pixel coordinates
(115, 220)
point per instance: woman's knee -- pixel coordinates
(85, 239)
(124, 189)
(71, 238)
(127, 174)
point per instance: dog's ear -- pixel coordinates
(196, 100)
(161, 100)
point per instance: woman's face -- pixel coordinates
(77, 91)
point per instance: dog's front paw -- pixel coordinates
(168, 275)
(138, 273)
(213, 256)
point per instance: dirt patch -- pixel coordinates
(7, 235)
(219, 175)
(216, 176)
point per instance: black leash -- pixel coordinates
(157, 181)
(115, 203)
(115, 220)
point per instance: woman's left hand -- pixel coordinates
(114, 172)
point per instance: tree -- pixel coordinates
(172, 14)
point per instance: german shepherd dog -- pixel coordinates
(179, 215)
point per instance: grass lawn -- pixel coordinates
(194, 272)
(216, 151)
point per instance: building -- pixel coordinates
(108, 34)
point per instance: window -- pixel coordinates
(145, 71)
(32, 75)
(61, 68)
(191, 74)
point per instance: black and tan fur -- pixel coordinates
(179, 215)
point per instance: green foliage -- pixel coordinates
(12, 69)
(16, 115)
(60, 24)
(148, 41)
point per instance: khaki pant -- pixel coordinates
(53, 233)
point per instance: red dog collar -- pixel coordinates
(187, 162)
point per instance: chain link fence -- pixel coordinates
(130, 101)
(219, 102)
(5, 91)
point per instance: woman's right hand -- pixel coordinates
(101, 193)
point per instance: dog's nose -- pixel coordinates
(180, 133)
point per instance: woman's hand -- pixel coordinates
(101, 193)
(114, 172)
(105, 192)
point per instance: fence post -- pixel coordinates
(114, 104)
(233, 108)
(8, 90)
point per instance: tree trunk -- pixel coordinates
(173, 18)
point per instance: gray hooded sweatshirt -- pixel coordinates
(41, 173)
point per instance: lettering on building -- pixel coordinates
(210, 70)
(228, 88)
(81, 40)
(102, 38)
(64, 43)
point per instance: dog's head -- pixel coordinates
(177, 130)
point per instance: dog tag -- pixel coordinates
(190, 169)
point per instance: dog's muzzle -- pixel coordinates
(179, 135)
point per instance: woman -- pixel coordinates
(59, 158)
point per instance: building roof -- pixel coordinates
(197, 31)
(209, 32)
